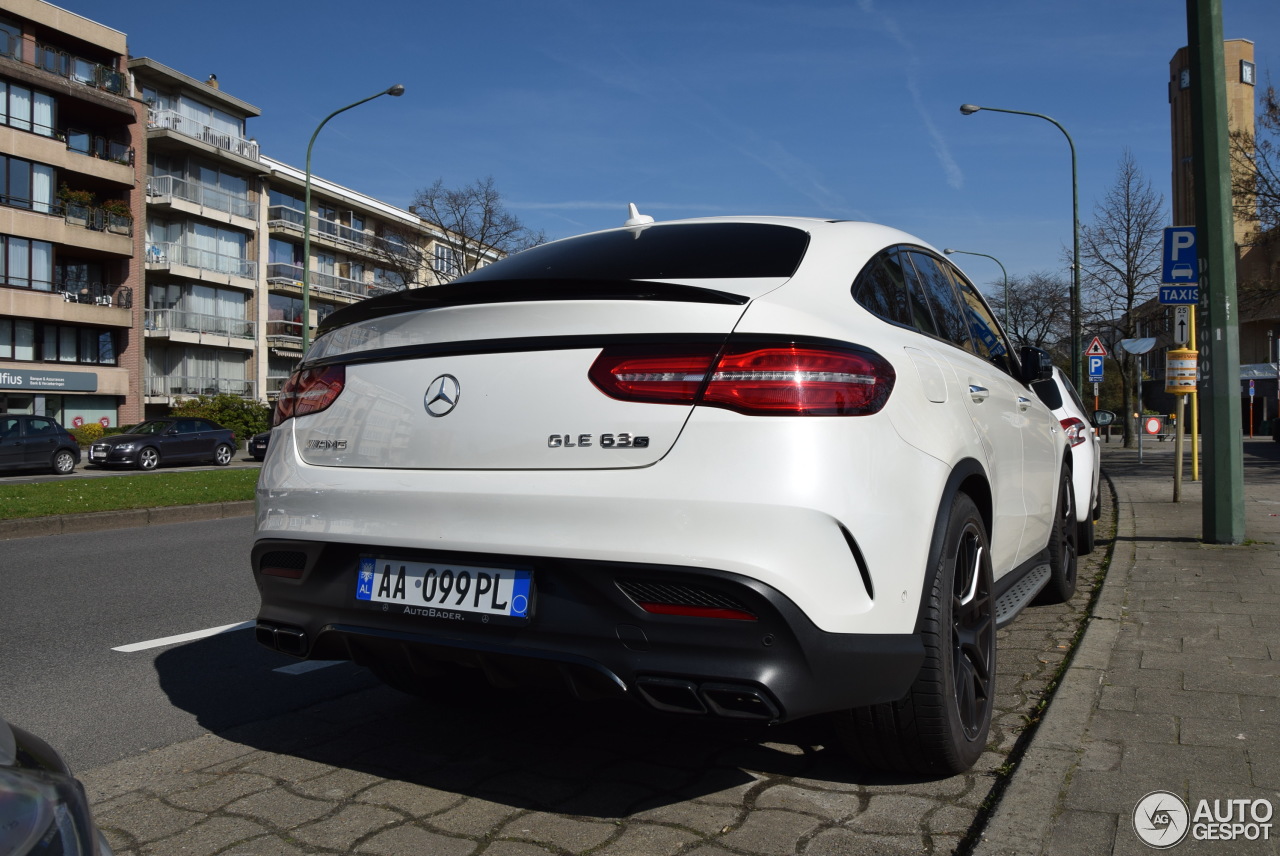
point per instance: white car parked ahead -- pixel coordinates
(1077, 423)
(752, 468)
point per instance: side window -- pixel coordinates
(988, 339)
(938, 290)
(187, 426)
(881, 289)
(40, 427)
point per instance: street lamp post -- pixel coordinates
(1002, 270)
(1077, 356)
(396, 90)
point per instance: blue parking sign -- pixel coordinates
(1095, 369)
(1181, 257)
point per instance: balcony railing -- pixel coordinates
(196, 322)
(279, 273)
(98, 146)
(196, 130)
(96, 293)
(174, 253)
(275, 384)
(57, 61)
(164, 187)
(96, 219)
(282, 216)
(162, 386)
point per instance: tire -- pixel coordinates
(1085, 537)
(64, 463)
(148, 459)
(223, 454)
(941, 726)
(1062, 547)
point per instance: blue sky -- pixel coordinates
(842, 109)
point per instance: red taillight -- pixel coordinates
(751, 378)
(309, 391)
(1077, 430)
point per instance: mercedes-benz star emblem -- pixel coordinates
(442, 395)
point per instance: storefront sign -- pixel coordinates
(42, 381)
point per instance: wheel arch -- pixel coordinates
(967, 477)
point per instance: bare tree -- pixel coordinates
(1039, 311)
(1120, 255)
(459, 230)
(475, 227)
(1255, 167)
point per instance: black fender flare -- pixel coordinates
(964, 471)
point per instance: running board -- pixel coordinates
(1020, 594)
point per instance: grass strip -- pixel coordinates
(116, 493)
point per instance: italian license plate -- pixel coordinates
(458, 592)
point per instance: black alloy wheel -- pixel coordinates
(940, 727)
(1062, 546)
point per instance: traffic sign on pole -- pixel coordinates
(1181, 324)
(1095, 349)
(1181, 257)
(1095, 368)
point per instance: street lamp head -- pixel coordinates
(969, 109)
(396, 90)
(949, 251)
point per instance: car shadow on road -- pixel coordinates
(530, 750)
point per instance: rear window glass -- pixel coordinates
(684, 251)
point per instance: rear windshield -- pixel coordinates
(683, 251)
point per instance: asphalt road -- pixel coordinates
(70, 600)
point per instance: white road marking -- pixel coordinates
(183, 637)
(307, 666)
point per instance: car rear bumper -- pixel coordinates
(586, 631)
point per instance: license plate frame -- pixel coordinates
(449, 591)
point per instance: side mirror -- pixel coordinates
(1103, 418)
(1036, 365)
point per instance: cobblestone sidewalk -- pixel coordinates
(501, 775)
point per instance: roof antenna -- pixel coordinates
(635, 218)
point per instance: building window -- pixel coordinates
(27, 340)
(25, 263)
(446, 260)
(24, 184)
(26, 109)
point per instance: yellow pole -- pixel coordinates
(1195, 411)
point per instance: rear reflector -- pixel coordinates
(753, 378)
(687, 599)
(696, 611)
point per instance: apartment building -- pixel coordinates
(70, 138)
(151, 252)
(203, 217)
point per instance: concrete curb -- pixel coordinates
(68, 524)
(1030, 803)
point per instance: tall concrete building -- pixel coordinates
(151, 252)
(70, 138)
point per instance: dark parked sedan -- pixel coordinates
(175, 440)
(36, 442)
(258, 445)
